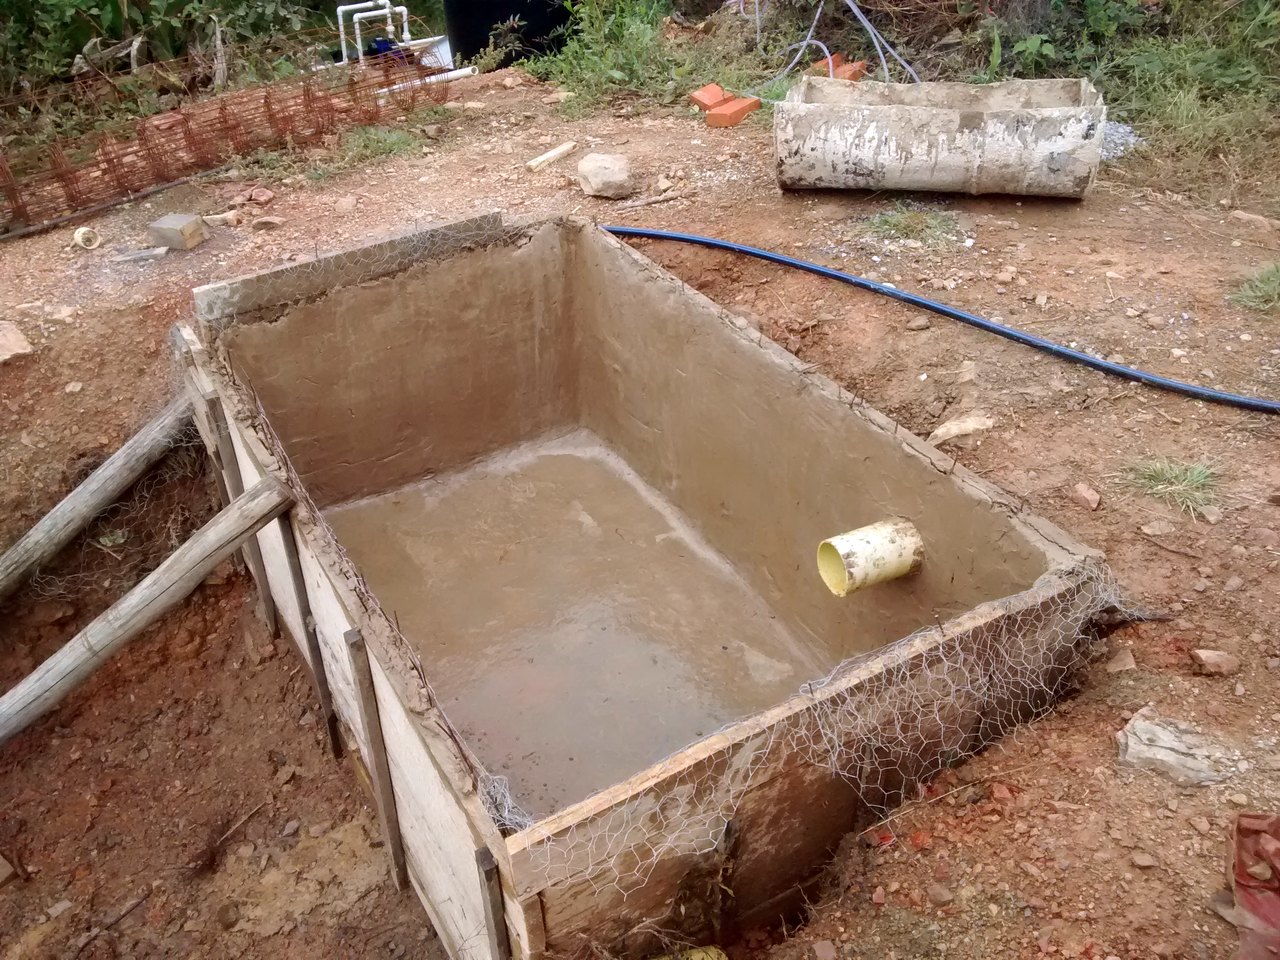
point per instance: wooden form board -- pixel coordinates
(587, 864)
(444, 829)
(430, 818)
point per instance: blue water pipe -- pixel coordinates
(1256, 404)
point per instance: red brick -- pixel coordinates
(710, 97)
(824, 66)
(732, 113)
(851, 71)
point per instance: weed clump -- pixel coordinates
(1191, 487)
(1261, 291)
(909, 222)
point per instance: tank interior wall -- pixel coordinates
(374, 386)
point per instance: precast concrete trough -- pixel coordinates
(1034, 137)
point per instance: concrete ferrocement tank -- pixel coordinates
(1036, 137)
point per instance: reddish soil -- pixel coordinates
(126, 791)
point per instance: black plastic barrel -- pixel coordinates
(470, 22)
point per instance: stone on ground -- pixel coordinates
(178, 231)
(1170, 748)
(1215, 663)
(606, 175)
(12, 342)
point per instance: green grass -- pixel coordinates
(908, 222)
(621, 48)
(1208, 116)
(357, 148)
(1261, 291)
(1191, 487)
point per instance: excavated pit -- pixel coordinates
(590, 500)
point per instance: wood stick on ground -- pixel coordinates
(239, 823)
(164, 588)
(119, 915)
(650, 201)
(103, 487)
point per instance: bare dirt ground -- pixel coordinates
(123, 808)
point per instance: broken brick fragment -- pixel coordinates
(710, 97)
(851, 71)
(732, 113)
(827, 65)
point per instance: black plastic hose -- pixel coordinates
(1257, 404)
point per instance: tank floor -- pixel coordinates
(572, 624)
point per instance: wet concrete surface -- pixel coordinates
(573, 625)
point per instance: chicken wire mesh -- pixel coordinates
(885, 722)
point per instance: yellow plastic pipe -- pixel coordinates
(882, 551)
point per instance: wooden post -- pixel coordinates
(318, 676)
(494, 912)
(103, 487)
(164, 588)
(379, 769)
(235, 486)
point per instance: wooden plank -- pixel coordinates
(162, 589)
(102, 488)
(525, 931)
(319, 673)
(235, 486)
(330, 620)
(443, 818)
(439, 842)
(379, 769)
(499, 944)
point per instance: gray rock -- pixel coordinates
(919, 323)
(1215, 663)
(1122, 662)
(1171, 749)
(150, 253)
(939, 895)
(178, 231)
(606, 175)
(12, 342)
(1118, 139)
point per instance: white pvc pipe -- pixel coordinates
(353, 8)
(869, 555)
(360, 18)
(446, 77)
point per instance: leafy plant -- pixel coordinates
(995, 55)
(1035, 53)
(619, 47)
